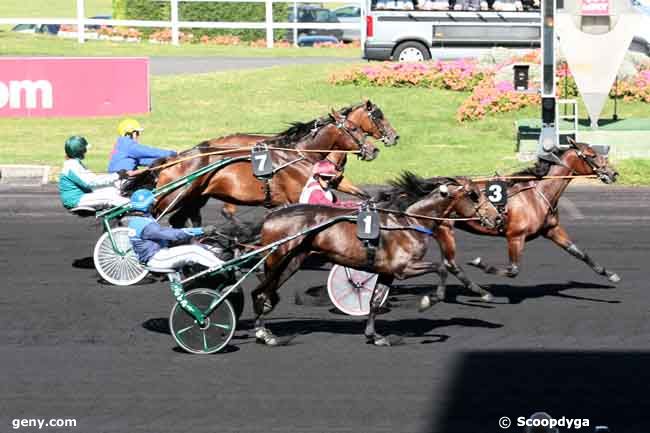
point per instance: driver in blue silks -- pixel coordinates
(151, 241)
(128, 153)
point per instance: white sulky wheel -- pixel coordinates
(214, 335)
(119, 269)
(350, 290)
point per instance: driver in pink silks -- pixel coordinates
(317, 190)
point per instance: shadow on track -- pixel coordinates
(518, 294)
(84, 263)
(606, 387)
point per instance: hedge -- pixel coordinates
(154, 10)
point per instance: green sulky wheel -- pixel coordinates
(216, 332)
(119, 268)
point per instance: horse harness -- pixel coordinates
(265, 174)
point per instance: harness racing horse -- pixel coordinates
(531, 211)
(366, 115)
(235, 183)
(399, 252)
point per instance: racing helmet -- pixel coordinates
(324, 168)
(76, 146)
(128, 126)
(141, 200)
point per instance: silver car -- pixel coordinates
(349, 14)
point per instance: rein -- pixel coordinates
(573, 176)
(425, 217)
(240, 149)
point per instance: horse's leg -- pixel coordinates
(375, 303)
(560, 237)
(515, 249)
(228, 211)
(265, 296)
(447, 243)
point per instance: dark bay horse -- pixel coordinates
(532, 211)
(236, 184)
(403, 242)
(366, 115)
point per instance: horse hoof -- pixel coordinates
(383, 342)
(264, 336)
(614, 278)
(425, 303)
(476, 262)
(440, 293)
(487, 297)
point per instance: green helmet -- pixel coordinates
(75, 147)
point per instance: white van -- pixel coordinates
(405, 30)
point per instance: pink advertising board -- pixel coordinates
(595, 7)
(73, 87)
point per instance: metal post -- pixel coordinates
(295, 20)
(174, 16)
(81, 16)
(269, 23)
(549, 136)
(363, 23)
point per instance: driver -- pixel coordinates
(151, 241)
(128, 153)
(79, 186)
(317, 190)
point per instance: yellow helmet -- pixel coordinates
(128, 126)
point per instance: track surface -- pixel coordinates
(558, 338)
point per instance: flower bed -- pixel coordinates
(165, 37)
(119, 34)
(456, 75)
(490, 80)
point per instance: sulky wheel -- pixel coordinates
(122, 267)
(350, 290)
(214, 335)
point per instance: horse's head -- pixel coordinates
(467, 200)
(350, 137)
(371, 119)
(584, 159)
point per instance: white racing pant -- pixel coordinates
(177, 257)
(103, 198)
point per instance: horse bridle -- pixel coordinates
(589, 160)
(362, 144)
(375, 115)
(484, 220)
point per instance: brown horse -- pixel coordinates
(531, 211)
(366, 115)
(236, 184)
(404, 238)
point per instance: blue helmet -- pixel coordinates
(142, 200)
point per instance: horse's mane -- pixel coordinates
(540, 169)
(409, 188)
(297, 131)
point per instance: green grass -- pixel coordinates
(52, 8)
(12, 44)
(191, 108)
